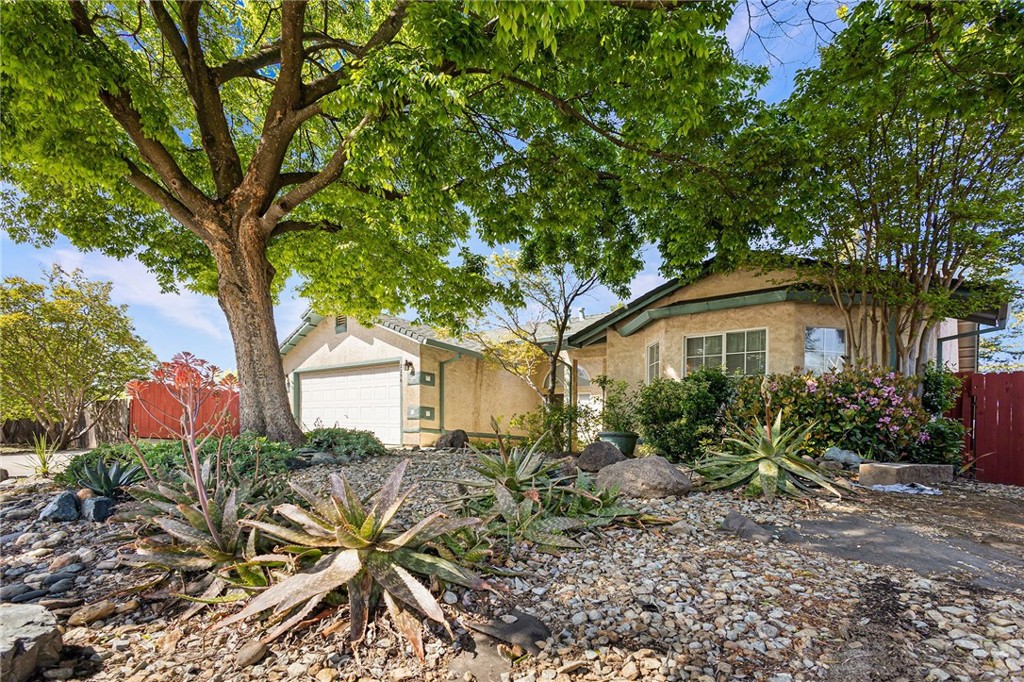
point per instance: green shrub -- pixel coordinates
(873, 412)
(541, 425)
(618, 405)
(165, 456)
(939, 389)
(345, 442)
(677, 417)
(942, 442)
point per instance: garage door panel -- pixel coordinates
(367, 398)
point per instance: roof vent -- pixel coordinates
(582, 313)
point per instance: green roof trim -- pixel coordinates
(721, 303)
(309, 322)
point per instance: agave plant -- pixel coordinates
(765, 462)
(213, 539)
(528, 519)
(361, 551)
(108, 479)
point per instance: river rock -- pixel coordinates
(64, 507)
(647, 477)
(29, 640)
(597, 456)
(91, 613)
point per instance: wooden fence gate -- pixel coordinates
(155, 414)
(992, 409)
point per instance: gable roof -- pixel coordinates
(419, 333)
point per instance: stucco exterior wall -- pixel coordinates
(785, 323)
(467, 393)
(324, 348)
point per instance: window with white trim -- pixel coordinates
(824, 349)
(738, 352)
(653, 362)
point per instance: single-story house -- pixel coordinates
(408, 384)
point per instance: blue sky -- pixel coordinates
(173, 322)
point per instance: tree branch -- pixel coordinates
(215, 134)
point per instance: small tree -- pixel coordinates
(914, 199)
(66, 350)
(525, 334)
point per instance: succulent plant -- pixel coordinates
(108, 479)
(766, 462)
(361, 551)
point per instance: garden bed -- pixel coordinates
(688, 601)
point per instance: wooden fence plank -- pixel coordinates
(155, 414)
(991, 407)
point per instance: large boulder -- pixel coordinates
(455, 440)
(64, 507)
(877, 473)
(645, 477)
(29, 640)
(597, 456)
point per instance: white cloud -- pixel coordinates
(644, 282)
(137, 287)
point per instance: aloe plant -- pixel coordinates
(765, 462)
(108, 479)
(362, 552)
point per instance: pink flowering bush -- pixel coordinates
(875, 413)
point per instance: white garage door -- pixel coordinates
(367, 398)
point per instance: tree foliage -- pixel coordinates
(358, 145)
(66, 350)
(914, 194)
(1003, 352)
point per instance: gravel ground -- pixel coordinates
(686, 602)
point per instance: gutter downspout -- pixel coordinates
(977, 332)
(440, 390)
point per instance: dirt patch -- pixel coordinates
(875, 650)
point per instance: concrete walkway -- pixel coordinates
(24, 463)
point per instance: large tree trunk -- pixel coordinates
(243, 291)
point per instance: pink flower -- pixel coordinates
(812, 386)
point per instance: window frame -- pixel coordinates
(825, 354)
(648, 364)
(722, 335)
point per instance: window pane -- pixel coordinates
(735, 342)
(813, 339)
(734, 363)
(835, 340)
(653, 351)
(695, 346)
(693, 364)
(814, 362)
(755, 363)
(756, 340)
(713, 347)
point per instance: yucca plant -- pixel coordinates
(765, 462)
(43, 455)
(108, 479)
(363, 553)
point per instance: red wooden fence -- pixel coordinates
(992, 409)
(155, 414)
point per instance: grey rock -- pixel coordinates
(97, 508)
(64, 507)
(516, 628)
(11, 590)
(56, 578)
(848, 459)
(29, 640)
(10, 537)
(62, 586)
(456, 440)
(829, 465)
(251, 653)
(323, 458)
(28, 596)
(745, 528)
(647, 477)
(597, 456)
(4, 475)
